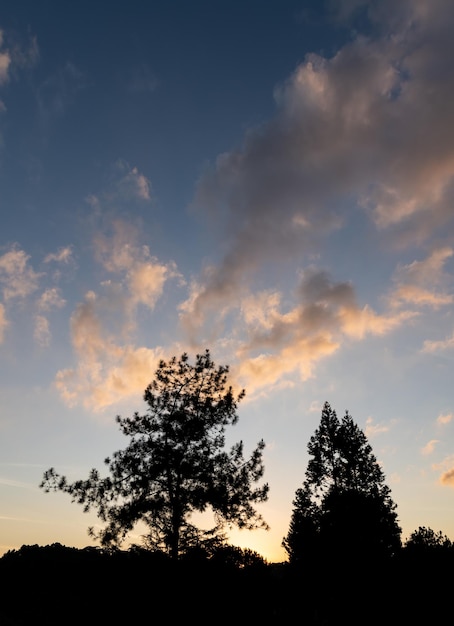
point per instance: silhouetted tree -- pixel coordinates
(302, 538)
(344, 509)
(175, 463)
(425, 539)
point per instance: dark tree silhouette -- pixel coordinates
(425, 539)
(175, 464)
(344, 509)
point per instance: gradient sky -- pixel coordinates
(271, 180)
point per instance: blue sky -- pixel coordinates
(273, 181)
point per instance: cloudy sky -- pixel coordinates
(271, 180)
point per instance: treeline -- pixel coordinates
(346, 561)
(54, 585)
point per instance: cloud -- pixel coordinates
(429, 447)
(110, 366)
(132, 183)
(5, 62)
(13, 57)
(41, 333)
(283, 342)
(17, 278)
(142, 80)
(447, 478)
(369, 129)
(143, 276)
(447, 468)
(439, 346)
(3, 322)
(50, 299)
(63, 255)
(107, 371)
(59, 91)
(416, 281)
(316, 407)
(373, 429)
(445, 418)
(128, 189)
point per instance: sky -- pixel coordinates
(273, 181)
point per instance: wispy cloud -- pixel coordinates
(440, 345)
(63, 255)
(142, 276)
(59, 90)
(17, 277)
(343, 140)
(41, 333)
(3, 322)
(417, 282)
(8, 482)
(13, 57)
(107, 371)
(50, 299)
(429, 447)
(445, 418)
(110, 366)
(446, 466)
(372, 429)
(447, 478)
(131, 183)
(276, 342)
(5, 61)
(142, 80)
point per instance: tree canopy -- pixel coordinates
(425, 539)
(344, 508)
(175, 464)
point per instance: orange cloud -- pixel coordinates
(109, 365)
(445, 418)
(106, 371)
(429, 447)
(417, 281)
(447, 478)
